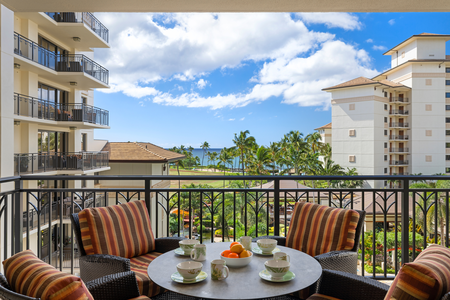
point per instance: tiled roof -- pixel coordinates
(328, 126)
(391, 83)
(422, 35)
(363, 81)
(139, 152)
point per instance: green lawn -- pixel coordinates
(213, 183)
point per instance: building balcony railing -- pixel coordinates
(398, 124)
(398, 162)
(399, 99)
(398, 149)
(398, 112)
(32, 163)
(254, 211)
(59, 62)
(398, 137)
(71, 112)
(82, 17)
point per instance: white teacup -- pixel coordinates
(189, 269)
(188, 245)
(267, 245)
(281, 256)
(277, 268)
(199, 252)
(219, 270)
(246, 241)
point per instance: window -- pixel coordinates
(52, 94)
(84, 100)
(385, 170)
(447, 132)
(428, 133)
(428, 82)
(351, 106)
(447, 95)
(428, 107)
(447, 157)
(447, 145)
(385, 145)
(385, 95)
(447, 82)
(385, 132)
(447, 120)
(351, 158)
(385, 119)
(428, 158)
(447, 107)
(385, 106)
(447, 70)
(447, 170)
(351, 132)
(84, 142)
(385, 158)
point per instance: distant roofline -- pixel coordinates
(326, 126)
(412, 61)
(410, 39)
(356, 85)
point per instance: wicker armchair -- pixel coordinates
(99, 265)
(119, 286)
(344, 260)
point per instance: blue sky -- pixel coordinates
(182, 79)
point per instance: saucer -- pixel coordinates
(264, 274)
(200, 277)
(258, 250)
(180, 251)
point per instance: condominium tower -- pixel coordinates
(399, 121)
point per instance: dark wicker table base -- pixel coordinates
(174, 296)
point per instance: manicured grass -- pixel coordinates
(213, 183)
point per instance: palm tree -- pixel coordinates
(243, 142)
(225, 158)
(314, 141)
(205, 147)
(274, 150)
(213, 157)
(260, 161)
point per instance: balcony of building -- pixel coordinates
(398, 162)
(78, 30)
(70, 70)
(81, 115)
(399, 150)
(399, 137)
(399, 125)
(401, 112)
(401, 100)
(66, 163)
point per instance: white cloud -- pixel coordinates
(369, 41)
(391, 22)
(343, 20)
(231, 119)
(201, 84)
(242, 119)
(381, 48)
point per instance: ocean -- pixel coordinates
(199, 152)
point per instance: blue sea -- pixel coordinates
(199, 152)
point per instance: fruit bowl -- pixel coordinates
(237, 262)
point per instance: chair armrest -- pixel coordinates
(280, 239)
(344, 260)
(99, 265)
(10, 295)
(166, 244)
(348, 286)
(446, 297)
(119, 286)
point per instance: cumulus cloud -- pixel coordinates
(381, 48)
(231, 119)
(369, 41)
(342, 20)
(242, 119)
(391, 21)
(296, 62)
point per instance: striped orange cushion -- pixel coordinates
(321, 297)
(317, 229)
(121, 230)
(139, 266)
(141, 298)
(428, 277)
(28, 275)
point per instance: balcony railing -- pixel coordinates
(82, 17)
(398, 149)
(72, 112)
(235, 211)
(32, 163)
(398, 124)
(398, 162)
(398, 112)
(59, 62)
(399, 99)
(398, 137)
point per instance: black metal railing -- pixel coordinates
(82, 17)
(400, 222)
(399, 99)
(48, 110)
(398, 137)
(398, 124)
(398, 112)
(32, 163)
(59, 62)
(398, 162)
(398, 149)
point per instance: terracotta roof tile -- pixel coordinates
(139, 152)
(354, 82)
(328, 126)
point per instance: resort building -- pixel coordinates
(48, 115)
(325, 133)
(399, 121)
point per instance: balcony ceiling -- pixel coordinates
(229, 5)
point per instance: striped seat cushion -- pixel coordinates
(316, 229)
(321, 297)
(428, 277)
(122, 230)
(139, 266)
(141, 298)
(30, 276)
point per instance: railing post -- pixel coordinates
(18, 217)
(276, 207)
(147, 195)
(405, 222)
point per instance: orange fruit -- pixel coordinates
(234, 243)
(238, 248)
(225, 253)
(233, 255)
(245, 253)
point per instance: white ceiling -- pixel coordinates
(228, 5)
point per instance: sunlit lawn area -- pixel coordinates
(213, 183)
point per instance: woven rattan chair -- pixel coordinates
(119, 286)
(99, 265)
(344, 260)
